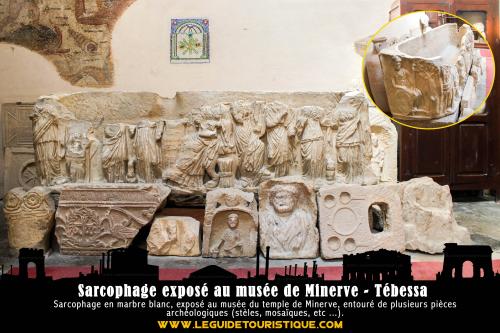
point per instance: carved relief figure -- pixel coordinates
(279, 131)
(228, 158)
(75, 156)
(147, 149)
(94, 172)
(118, 156)
(287, 227)
(467, 45)
(231, 224)
(353, 141)
(230, 244)
(174, 236)
(197, 156)
(405, 92)
(447, 79)
(49, 135)
(427, 75)
(249, 146)
(311, 141)
(377, 161)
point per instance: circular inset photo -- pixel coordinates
(429, 69)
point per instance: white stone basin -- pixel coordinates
(425, 76)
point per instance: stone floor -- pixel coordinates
(480, 214)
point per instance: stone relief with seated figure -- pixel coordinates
(425, 76)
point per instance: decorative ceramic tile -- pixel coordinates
(189, 42)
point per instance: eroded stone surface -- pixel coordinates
(428, 217)
(174, 236)
(355, 219)
(30, 217)
(231, 224)
(92, 218)
(287, 215)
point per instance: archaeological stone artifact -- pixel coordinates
(231, 224)
(197, 142)
(30, 217)
(287, 216)
(428, 217)
(355, 219)
(425, 75)
(174, 236)
(93, 218)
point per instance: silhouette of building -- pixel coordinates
(126, 263)
(374, 266)
(27, 256)
(213, 273)
(456, 255)
(290, 276)
(257, 276)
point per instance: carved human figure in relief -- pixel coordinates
(377, 161)
(353, 141)
(249, 146)
(94, 172)
(147, 149)
(448, 87)
(462, 72)
(76, 148)
(428, 78)
(118, 153)
(311, 141)
(227, 160)
(198, 156)
(403, 82)
(280, 129)
(230, 244)
(170, 240)
(466, 46)
(286, 228)
(49, 136)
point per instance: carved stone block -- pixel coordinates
(231, 224)
(16, 139)
(174, 236)
(20, 168)
(355, 219)
(428, 217)
(92, 218)
(30, 217)
(197, 142)
(287, 216)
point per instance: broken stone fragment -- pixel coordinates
(428, 217)
(174, 236)
(94, 218)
